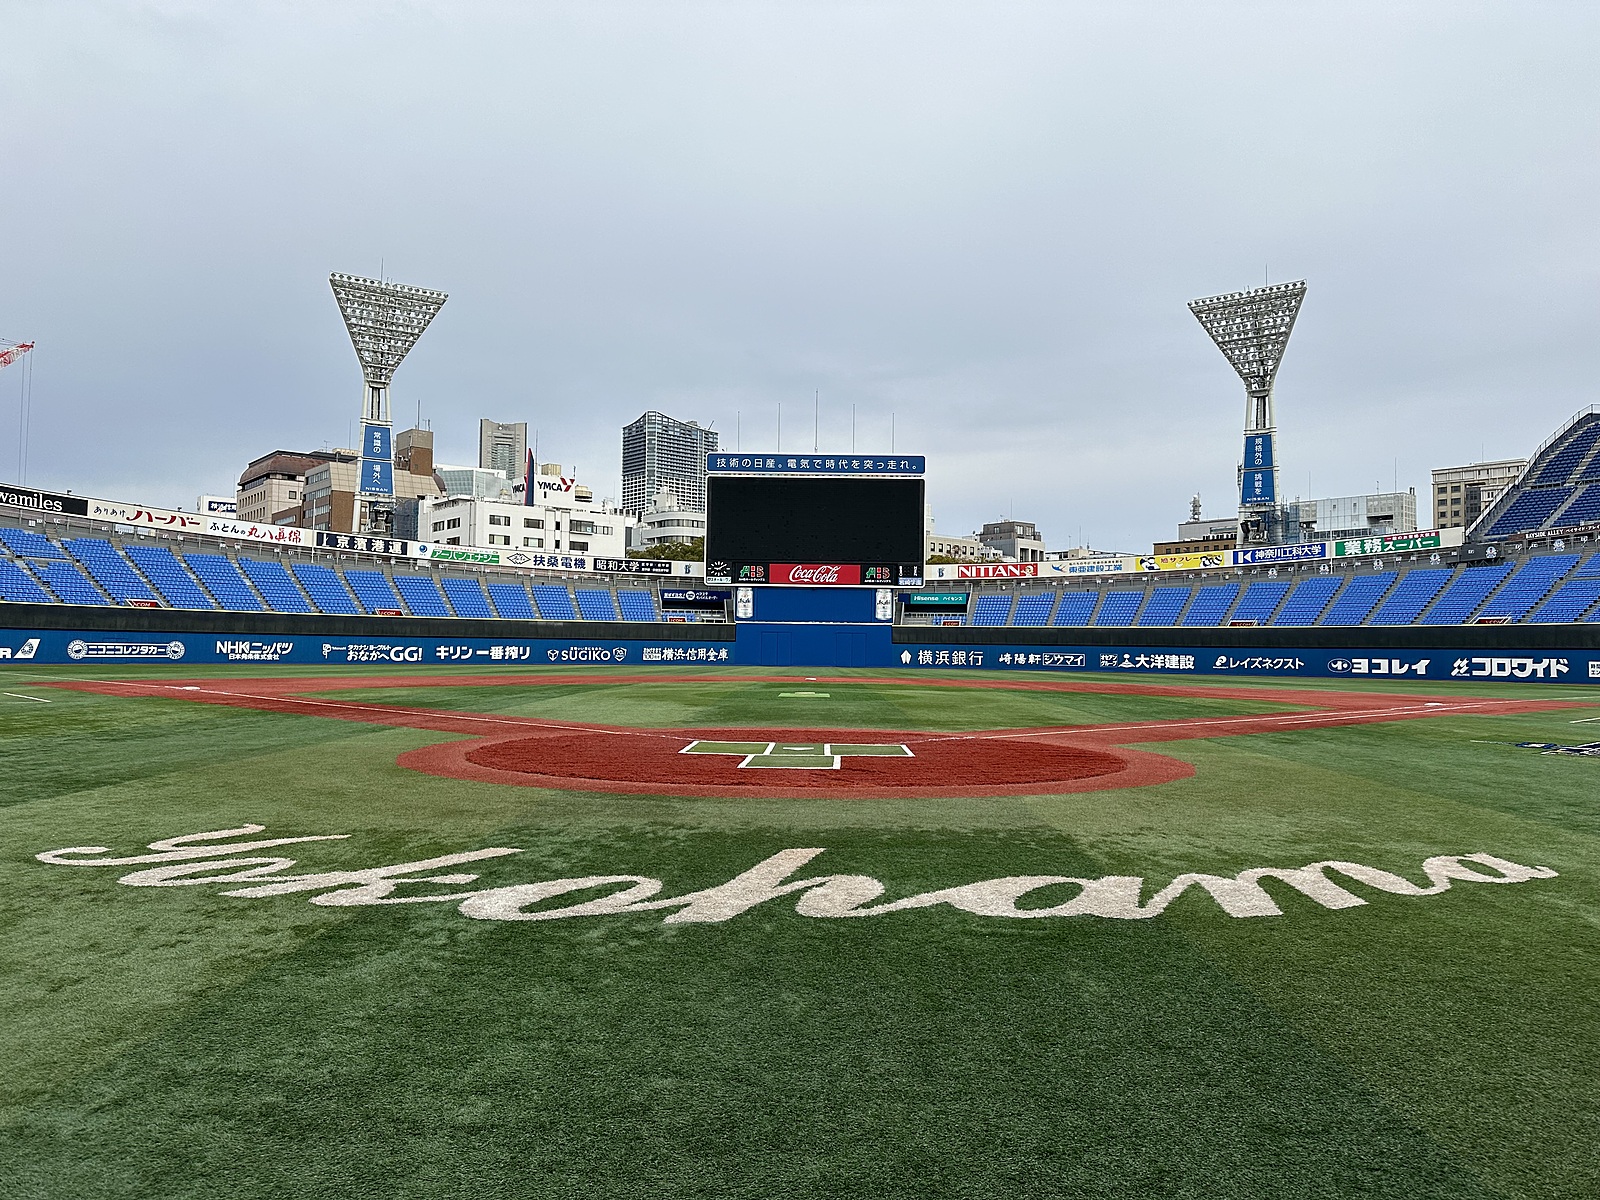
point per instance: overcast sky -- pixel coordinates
(984, 218)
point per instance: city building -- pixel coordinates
(660, 452)
(329, 498)
(503, 447)
(565, 521)
(275, 483)
(474, 483)
(1015, 541)
(1462, 494)
(664, 522)
(1202, 536)
(1357, 516)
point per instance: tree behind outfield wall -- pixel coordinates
(690, 551)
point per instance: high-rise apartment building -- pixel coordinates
(1461, 494)
(503, 447)
(659, 452)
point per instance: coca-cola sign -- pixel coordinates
(815, 573)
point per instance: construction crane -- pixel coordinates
(12, 353)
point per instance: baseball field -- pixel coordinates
(750, 933)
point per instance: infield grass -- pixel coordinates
(174, 1042)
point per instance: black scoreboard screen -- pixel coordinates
(808, 530)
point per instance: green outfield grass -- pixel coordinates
(175, 1042)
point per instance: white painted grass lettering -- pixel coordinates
(205, 858)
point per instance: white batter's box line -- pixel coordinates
(798, 756)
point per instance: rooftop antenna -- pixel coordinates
(1252, 329)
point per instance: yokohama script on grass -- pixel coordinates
(206, 858)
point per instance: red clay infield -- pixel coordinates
(537, 752)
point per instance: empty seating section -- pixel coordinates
(68, 583)
(1119, 608)
(1590, 568)
(637, 606)
(1076, 608)
(1528, 586)
(554, 602)
(421, 595)
(222, 580)
(373, 589)
(19, 587)
(1360, 597)
(1584, 509)
(1034, 609)
(1164, 605)
(510, 599)
(991, 610)
(281, 593)
(1529, 511)
(1211, 604)
(466, 597)
(1562, 462)
(1415, 592)
(1463, 596)
(595, 605)
(327, 590)
(109, 569)
(169, 577)
(1568, 602)
(1309, 598)
(25, 543)
(1260, 601)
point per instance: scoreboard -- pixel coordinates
(815, 530)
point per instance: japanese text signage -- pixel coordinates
(810, 464)
(1256, 487)
(377, 477)
(364, 544)
(634, 566)
(1393, 543)
(1258, 452)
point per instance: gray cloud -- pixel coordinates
(983, 218)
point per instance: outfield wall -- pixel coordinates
(60, 634)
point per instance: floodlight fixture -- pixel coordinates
(384, 320)
(1252, 330)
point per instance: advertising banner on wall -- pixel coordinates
(1256, 487)
(1258, 452)
(634, 566)
(1392, 543)
(1184, 562)
(43, 502)
(1272, 555)
(150, 518)
(249, 531)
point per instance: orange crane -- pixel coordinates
(12, 353)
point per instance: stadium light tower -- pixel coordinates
(1252, 329)
(384, 320)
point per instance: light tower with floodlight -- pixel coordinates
(384, 320)
(1252, 329)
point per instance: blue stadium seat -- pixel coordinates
(170, 577)
(1411, 595)
(326, 589)
(373, 589)
(1359, 598)
(1034, 608)
(1590, 568)
(109, 569)
(25, 543)
(1585, 508)
(1076, 609)
(17, 586)
(554, 601)
(595, 604)
(1118, 608)
(637, 606)
(222, 580)
(1461, 598)
(281, 593)
(991, 609)
(466, 597)
(1260, 601)
(1528, 586)
(1309, 598)
(67, 581)
(1211, 604)
(421, 595)
(510, 600)
(1568, 602)
(1560, 464)
(1529, 511)
(1164, 605)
